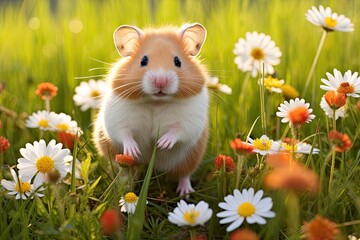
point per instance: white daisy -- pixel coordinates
(300, 147)
(19, 188)
(89, 94)
(348, 84)
(296, 112)
(245, 206)
(63, 122)
(263, 145)
(189, 214)
(328, 20)
(254, 51)
(213, 83)
(128, 202)
(40, 159)
(340, 112)
(41, 119)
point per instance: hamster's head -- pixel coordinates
(159, 64)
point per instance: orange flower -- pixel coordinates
(67, 139)
(290, 175)
(229, 163)
(241, 147)
(320, 229)
(111, 221)
(46, 90)
(282, 159)
(125, 161)
(341, 141)
(243, 234)
(298, 115)
(334, 99)
(4, 144)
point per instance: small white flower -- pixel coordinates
(340, 112)
(264, 145)
(348, 84)
(328, 20)
(213, 83)
(40, 159)
(41, 119)
(295, 112)
(300, 147)
(245, 206)
(189, 214)
(128, 202)
(254, 51)
(19, 188)
(63, 122)
(89, 94)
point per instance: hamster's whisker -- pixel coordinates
(92, 76)
(97, 60)
(217, 96)
(124, 85)
(98, 68)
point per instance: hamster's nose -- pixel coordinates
(161, 81)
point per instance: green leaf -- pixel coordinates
(137, 222)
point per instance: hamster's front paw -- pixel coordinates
(168, 140)
(131, 148)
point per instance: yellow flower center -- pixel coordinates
(191, 216)
(45, 164)
(257, 53)
(246, 209)
(95, 93)
(62, 126)
(272, 82)
(262, 144)
(345, 88)
(43, 123)
(22, 187)
(130, 197)
(330, 22)
(288, 147)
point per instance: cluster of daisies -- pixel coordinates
(248, 205)
(40, 163)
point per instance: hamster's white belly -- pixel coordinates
(147, 121)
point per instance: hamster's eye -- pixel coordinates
(144, 61)
(177, 61)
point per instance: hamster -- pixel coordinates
(156, 89)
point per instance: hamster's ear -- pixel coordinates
(193, 36)
(126, 38)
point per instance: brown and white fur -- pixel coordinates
(160, 97)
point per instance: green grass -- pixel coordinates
(53, 53)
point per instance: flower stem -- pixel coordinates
(47, 104)
(292, 205)
(262, 104)
(239, 169)
(192, 233)
(332, 169)
(312, 69)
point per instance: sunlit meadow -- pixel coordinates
(283, 157)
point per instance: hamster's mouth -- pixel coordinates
(160, 94)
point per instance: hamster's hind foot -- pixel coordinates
(184, 186)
